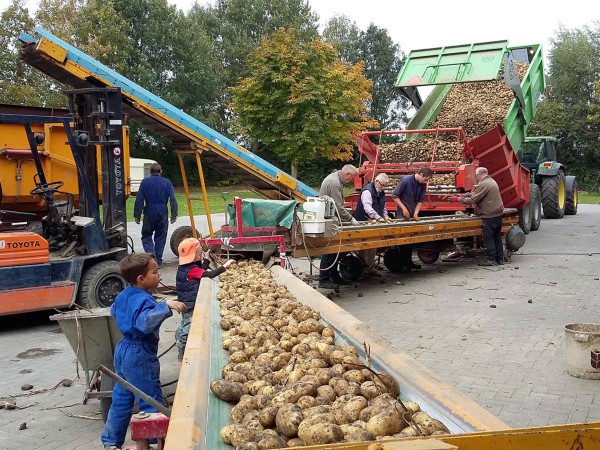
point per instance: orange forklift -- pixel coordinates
(69, 253)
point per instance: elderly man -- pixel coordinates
(488, 203)
(371, 206)
(333, 186)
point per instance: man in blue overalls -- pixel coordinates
(155, 191)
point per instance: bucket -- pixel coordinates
(582, 344)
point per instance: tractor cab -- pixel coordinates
(537, 150)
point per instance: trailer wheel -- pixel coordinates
(100, 284)
(350, 267)
(427, 256)
(535, 198)
(394, 259)
(179, 235)
(107, 384)
(525, 217)
(554, 196)
(572, 196)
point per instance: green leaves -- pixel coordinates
(300, 100)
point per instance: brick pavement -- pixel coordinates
(509, 359)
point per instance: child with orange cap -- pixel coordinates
(192, 267)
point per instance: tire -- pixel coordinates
(394, 259)
(179, 235)
(350, 268)
(106, 384)
(427, 256)
(100, 284)
(554, 196)
(525, 217)
(572, 196)
(535, 198)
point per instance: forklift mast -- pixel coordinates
(98, 125)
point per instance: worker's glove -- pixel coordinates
(137, 220)
(228, 263)
(387, 219)
(354, 222)
(173, 219)
(381, 219)
(455, 199)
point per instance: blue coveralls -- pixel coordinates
(155, 191)
(139, 317)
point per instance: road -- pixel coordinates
(497, 334)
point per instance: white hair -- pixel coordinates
(349, 168)
(382, 178)
(481, 171)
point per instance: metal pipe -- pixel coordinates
(131, 388)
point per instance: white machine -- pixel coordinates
(317, 215)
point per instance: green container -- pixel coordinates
(442, 67)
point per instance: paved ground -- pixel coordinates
(509, 358)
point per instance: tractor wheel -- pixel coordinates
(427, 256)
(572, 196)
(525, 217)
(107, 384)
(554, 196)
(179, 235)
(350, 268)
(535, 198)
(100, 284)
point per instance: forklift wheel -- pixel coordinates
(100, 284)
(179, 235)
(350, 268)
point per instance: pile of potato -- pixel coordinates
(290, 383)
(477, 107)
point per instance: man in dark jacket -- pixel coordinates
(488, 203)
(409, 195)
(371, 206)
(155, 191)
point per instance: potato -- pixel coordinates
(341, 416)
(325, 433)
(428, 423)
(267, 416)
(327, 392)
(310, 325)
(321, 409)
(327, 332)
(295, 442)
(354, 375)
(322, 400)
(229, 391)
(370, 390)
(359, 436)
(412, 407)
(241, 435)
(253, 387)
(354, 406)
(240, 410)
(410, 431)
(288, 419)
(236, 346)
(270, 442)
(369, 412)
(383, 400)
(315, 419)
(234, 376)
(253, 424)
(387, 384)
(386, 423)
(306, 401)
(227, 431)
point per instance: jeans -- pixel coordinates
(158, 224)
(182, 332)
(492, 239)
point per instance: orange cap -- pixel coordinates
(187, 250)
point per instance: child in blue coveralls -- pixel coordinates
(192, 267)
(139, 317)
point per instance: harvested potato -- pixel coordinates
(428, 423)
(229, 391)
(386, 423)
(267, 416)
(323, 433)
(288, 419)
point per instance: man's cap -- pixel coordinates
(187, 250)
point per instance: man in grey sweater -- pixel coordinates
(333, 186)
(488, 203)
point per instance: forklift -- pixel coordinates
(71, 255)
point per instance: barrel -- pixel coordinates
(582, 345)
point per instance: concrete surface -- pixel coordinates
(509, 358)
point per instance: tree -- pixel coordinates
(301, 100)
(382, 59)
(20, 84)
(567, 110)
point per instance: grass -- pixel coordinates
(589, 198)
(216, 204)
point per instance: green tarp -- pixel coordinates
(264, 213)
